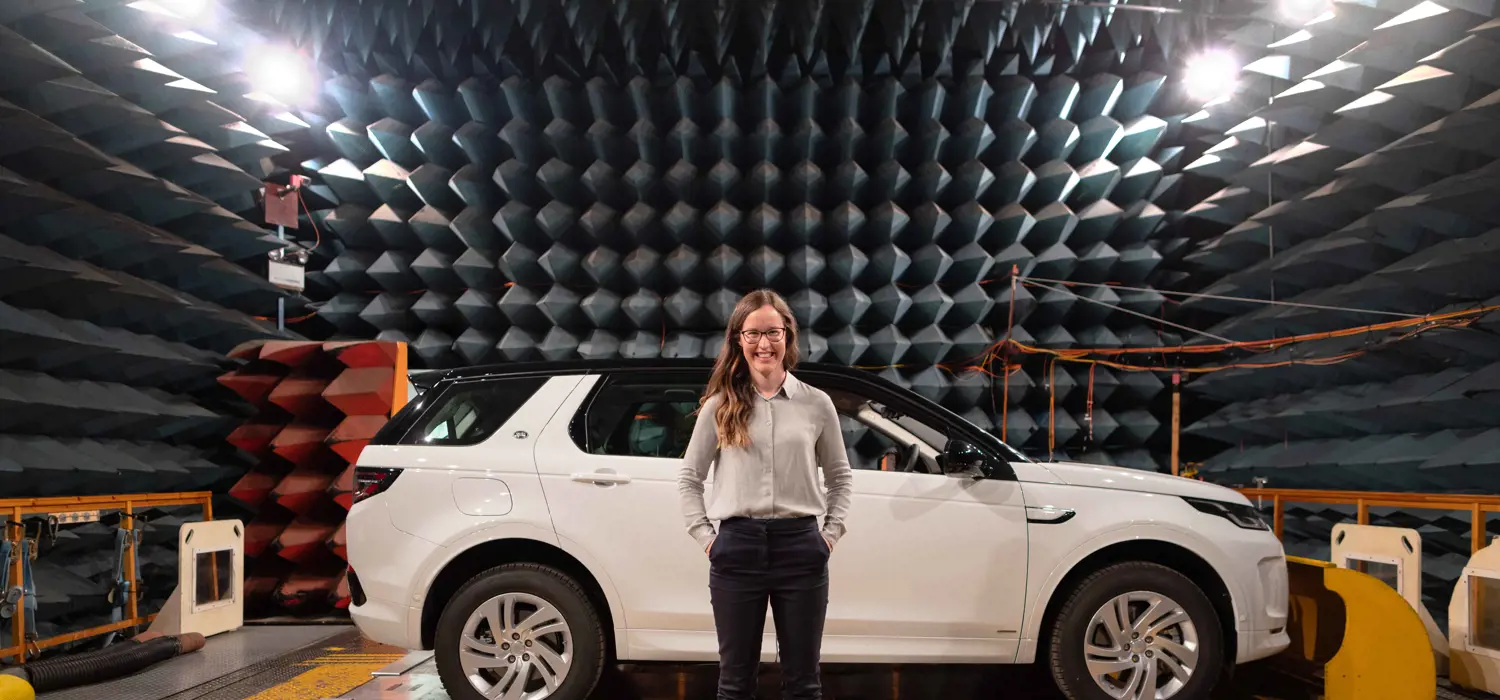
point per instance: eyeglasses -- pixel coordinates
(774, 334)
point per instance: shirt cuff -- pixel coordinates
(704, 535)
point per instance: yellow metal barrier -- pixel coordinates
(15, 510)
(13, 688)
(1479, 507)
(1372, 644)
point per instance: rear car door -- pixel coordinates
(609, 472)
(465, 457)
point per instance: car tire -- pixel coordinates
(533, 591)
(1084, 620)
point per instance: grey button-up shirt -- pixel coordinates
(792, 434)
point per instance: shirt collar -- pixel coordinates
(791, 386)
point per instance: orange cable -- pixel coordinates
(1010, 325)
(1051, 407)
(317, 233)
(1089, 416)
(298, 319)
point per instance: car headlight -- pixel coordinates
(1244, 516)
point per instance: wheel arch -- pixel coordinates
(486, 555)
(1171, 555)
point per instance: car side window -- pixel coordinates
(469, 413)
(639, 417)
(880, 437)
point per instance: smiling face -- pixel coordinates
(763, 338)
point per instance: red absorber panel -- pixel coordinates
(342, 489)
(300, 396)
(261, 586)
(254, 487)
(302, 489)
(255, 438)
(341, 595)
(363, 353)
(366, 391)
(306, 589)
(263, 530)
(300, 443)
(339, 396)
(292, 353)
(248, 350)
(339, 542)
(305, 540)
(254, 387)
(353, 433)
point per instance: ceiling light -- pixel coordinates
(281, 74)
(1211, 76)
(1302, 12)
(189, 9)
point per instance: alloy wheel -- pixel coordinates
(516, 646)
(1141, 646)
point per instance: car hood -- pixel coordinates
(1102, 476)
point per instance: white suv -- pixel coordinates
(523, 521)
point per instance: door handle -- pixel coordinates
(601, 478)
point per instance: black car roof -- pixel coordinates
(561, 367)
(432, 378)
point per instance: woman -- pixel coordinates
(767, 435)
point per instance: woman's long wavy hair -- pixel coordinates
(731, 377)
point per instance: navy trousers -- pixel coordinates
(783, 562)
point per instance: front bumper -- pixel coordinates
(1259, 644)
(1258, 568)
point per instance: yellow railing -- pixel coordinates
(15, 510)
(1478, 506)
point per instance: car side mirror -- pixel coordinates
(962, 459)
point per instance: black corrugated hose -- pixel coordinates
(113, 661)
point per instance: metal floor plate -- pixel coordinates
(224, 655)
(321, 662)
(677, 682)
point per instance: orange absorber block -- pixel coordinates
(341, 595)
(339, 542)
(353, 433)
(342, 488)
(254, 387)
(263, 530)
(260, 587)
(254, 487)
(300, 490)
(364, 391)
(300, 443)
(292, 353)
(303, 540)
(255, 438)
(300, 396)
(302, 589)
(363, 353)
(248, 350)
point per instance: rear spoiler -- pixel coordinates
(424, 379)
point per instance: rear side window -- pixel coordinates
(648, 416)
(469, 413)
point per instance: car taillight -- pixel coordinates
(369, 481)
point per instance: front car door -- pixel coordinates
(933, 566)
